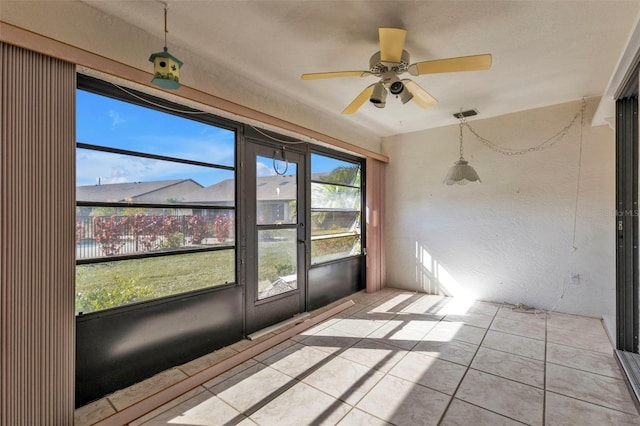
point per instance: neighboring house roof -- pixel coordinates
(269, 188)
(275, 188)
(221, 192)
(122, 192)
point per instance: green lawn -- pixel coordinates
(105, 285)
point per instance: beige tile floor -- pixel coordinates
(403, 358)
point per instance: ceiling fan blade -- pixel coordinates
(420, 96)
(335, 74)
(464, 63)
(391, 44)
(359, 100)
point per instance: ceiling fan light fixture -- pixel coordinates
(379, 95)
(405, 96)
(396, 87)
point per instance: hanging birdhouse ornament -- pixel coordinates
(166, 67)
(166, 70)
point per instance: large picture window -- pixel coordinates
(155, 201)
(336, 208)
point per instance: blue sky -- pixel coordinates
(116, 124)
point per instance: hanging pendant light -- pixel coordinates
(166, 67)
(461, 172)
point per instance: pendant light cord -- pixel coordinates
(165, 27)
(462, 120)
(575, 211)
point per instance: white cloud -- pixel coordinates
(264, 170)
(115, 118)
(207, 148)
(114, 168)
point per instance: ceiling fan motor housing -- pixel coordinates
(378, 67)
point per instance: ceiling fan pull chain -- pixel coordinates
(284, 158)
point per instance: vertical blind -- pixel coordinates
(375, 225)
(37, 166)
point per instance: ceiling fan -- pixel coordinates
(392, 61)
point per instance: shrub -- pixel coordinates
(173, 240)
(145, 231)
(171, 225)
(197, 227)
(334, 246)
(284, 269)
(108, 232)
(79, 231)
(222, 227)
(116, 293)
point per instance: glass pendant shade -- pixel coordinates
(461, 173)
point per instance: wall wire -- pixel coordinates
(575, 211)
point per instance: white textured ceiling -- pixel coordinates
(544, 52)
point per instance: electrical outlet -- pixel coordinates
(574, 279)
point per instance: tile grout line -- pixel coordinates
(163, 396)
(331, 356)
(585, 371)
(407, 352)
(506, 378)
(544, 378)
(553, 343)
(511, 353)
(154, 414)
(384, 374)
(594, 403)
(519, 335)
(111, 403)
(491, 411)
(338, 355)
(353, 407)
(468, 367)
(579, 348)
(298, 379)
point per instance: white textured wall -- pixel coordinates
(508, 238)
